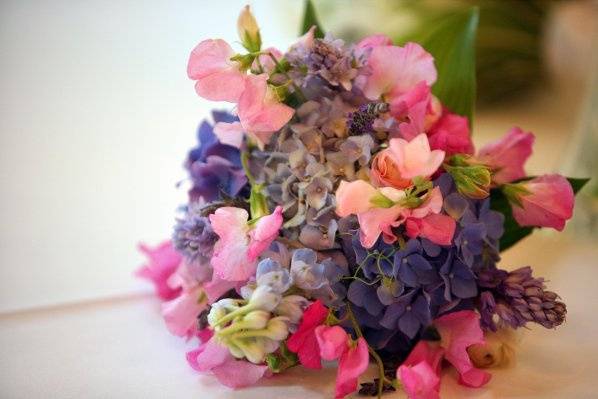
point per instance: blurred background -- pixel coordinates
(97, 114)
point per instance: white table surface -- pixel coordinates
(120, 348)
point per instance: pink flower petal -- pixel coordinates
(549, 204)
(304, 342)
(436, 227)
(180, 314)
(451, 134)
(353, 363)
(163, 261)
(414, 158)
(354, 197)
(239, 373)
(265, 231)
(374, 41)
(218, 78)
(210, 354)
(377, 221)
(420, 381)
(332, 341)
(413, 105)
(458, 331)
(397, 70)
(507, 156)
(217, 287)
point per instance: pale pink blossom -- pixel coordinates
(353, 357)
(395, 70)
(180, 313)
(507, 156)
(212, 357)
(163, 261)
(264, 63)
(260, 112)
(218, 77)
(372, 41)
(451, 134)
(547, 202)
(414, 108)
(239, 245)
(230, 133)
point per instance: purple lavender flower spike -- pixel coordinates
(193, 235)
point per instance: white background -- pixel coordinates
(96, 117)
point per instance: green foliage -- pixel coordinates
(451, 40)
(513, 232)
(311, 19)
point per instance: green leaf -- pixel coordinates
(451, 40)
(311, 19)
(513, 232)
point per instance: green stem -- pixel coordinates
(245, 165)
(297, 89)
(372, 352)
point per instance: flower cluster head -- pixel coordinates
(340, 212)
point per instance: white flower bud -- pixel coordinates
(292, 306)
(252, 349)
(264, 298)
(278, 328)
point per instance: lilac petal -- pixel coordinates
(409, 324)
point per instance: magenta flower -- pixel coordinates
(236, 252)
(507, 155)
(420, 381)
(353, 357)
(218, 77)
(212, 357)
(163, 261)
(451, 134)
(544, 201)
(304, 342)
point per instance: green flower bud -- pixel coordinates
(249, 31)
(472, 180)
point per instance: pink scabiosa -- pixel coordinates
(544, 201)
(507, 156)
(240, 244)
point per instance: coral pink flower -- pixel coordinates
(396, 70)
(419, 381)
(458, 331)
(547, 202)
(211, 357)
(507, 156)
(304, 342)
(260, 113)
(403, 160)
(218, 78)
(163, 261)
(335, 343)
(236, 252)
(359, 198)
(451, 134)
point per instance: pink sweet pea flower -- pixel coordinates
(436, 227)
(413, 106)
(335, 343)
(304, 342)
(451, 134)
(236, 252)
(265, 61)
(508, 155)
(218, 78)
(163, 261)
(545, 201)
(458, 331)
(419, 381)
(395, 70)
(180, 313)
(260, 112)
(211, 357)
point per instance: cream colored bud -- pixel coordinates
(497, 351)
(249, 31)
(278, 328)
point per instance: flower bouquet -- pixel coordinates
(341, 213)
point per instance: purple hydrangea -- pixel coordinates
(214, 168)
